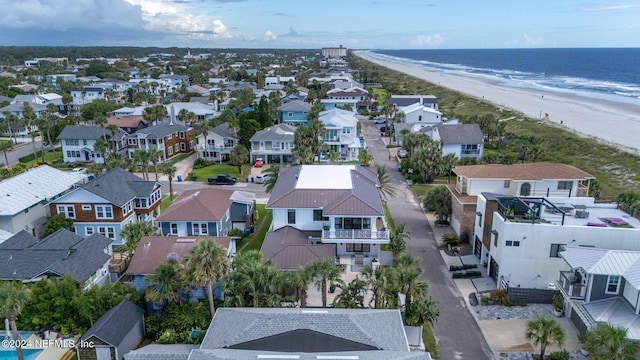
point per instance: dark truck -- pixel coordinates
(221, 179)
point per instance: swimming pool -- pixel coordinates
(10, 354)
(23, 334)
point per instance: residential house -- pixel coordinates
(352, 93)
(155, 250)
(462, 140)
(53, 79)
(21, 128)
(118, 331)
(289, 248)
(130, 124)
(107, 203)
(23, 198)
(347, 210)
(78, 143)
(402, 101)
(341, 132)
(273, 144)
(26, 258)
(330, 104)
(208, 212)
(294, 113)
(278, 80)
(200, 90)
(601, 285)
(202, 111)
(87, 94)
(417, 113)
(529, 179)
(173, 82)
(171, 139)
(218, 144)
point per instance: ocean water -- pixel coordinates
(612, 73)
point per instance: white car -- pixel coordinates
(379, 121)
(261, 178)
(79, 170)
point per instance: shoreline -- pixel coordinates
(610, 122)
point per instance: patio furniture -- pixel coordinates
(596, 224)
(582, 214)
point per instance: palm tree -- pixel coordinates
(351, 295)
(142, 157)
(206, 263)
(4, 147)
(170, 171)
(165, 283)
(544, 331)
(446, 165)
(421, 312)
(398, 239)
(326, 271)
(154, 113)
(11, 120)
(378, 281)
(273, 172)
(154, 157)
(606, 341)
(132, 233)
(386, 188)
(300, 280)
(13, 298)
(101, 120)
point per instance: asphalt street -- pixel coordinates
(457, 333)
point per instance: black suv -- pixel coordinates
(221, 179)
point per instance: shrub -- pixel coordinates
(450, 239)
(560, 355)
(200, 163)
(27, 158)
(235, 232)
(192, 176)
(484, 300)
(500, 297)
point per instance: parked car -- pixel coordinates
(79, 170)
(221, 179)
(383, 129)
(402, 153)
(259, 162)
(261, 178)
(379, 121)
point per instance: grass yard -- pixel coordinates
(430, 341)
(254, 241)
(390, 221)
(206, 172)
(165, 202)
(380, 95)
(53, 158)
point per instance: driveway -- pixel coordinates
(456, 331)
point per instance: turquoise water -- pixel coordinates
(23, 334)
(10, 354)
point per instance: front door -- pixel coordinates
(477, 247)
(494, 269)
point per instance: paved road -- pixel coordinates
(20, 150)
(456, 331)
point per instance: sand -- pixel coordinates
(610, 122)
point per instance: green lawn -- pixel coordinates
(255, 240)
(380, 95)
(166, 201)
(53, 158)
(430, 341)
(206, 172)
(390, 221)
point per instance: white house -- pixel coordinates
(78, 143)
(218, 144)
(461, 140)
(341, 132)
(402, 101)
(346, 211)
(418, 113)
(273, 144)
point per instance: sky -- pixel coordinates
(355, 24)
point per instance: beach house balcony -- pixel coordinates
(570, 285)
(369, 230)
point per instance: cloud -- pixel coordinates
(270, 35)
(292, 32)
(613, 7)
(427, 41)
(531, 41)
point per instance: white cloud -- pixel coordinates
(613, 7)
(434, 40)
(530, 40)
(270, 35)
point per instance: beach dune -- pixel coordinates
(611, 122)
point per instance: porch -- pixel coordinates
(357, 262)
(571, 286)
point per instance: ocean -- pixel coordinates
(613, 74)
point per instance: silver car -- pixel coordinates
(261, 178)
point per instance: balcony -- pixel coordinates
(355, 234)
(569, 285)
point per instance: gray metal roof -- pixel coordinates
(295, 105)
(280, 132)
(605, 262)
(465, 134)
(119, 186)
(89, 132)
(231, 354)
(115, 324)
(161, 130)
(34, 186)
(382, 329)
(616, 312)
(406, 100)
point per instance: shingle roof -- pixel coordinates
(126, 121)
(381, 329)
(89, 132)
(161, 130)
(526, 171)
(34, 186)
(280, 132)
(464, 134)
(115, 324)
(232, 354)
(360, 198)
(161, 352)
(198, 205)
(406, 100)
(288, 248)
(153, 250)
(21, 240)
(295, 105)
(119, 186)
(224, 131)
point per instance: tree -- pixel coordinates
(170, 171)
(300, 280)
(4, 147)
(606, 341)
(364, 158)
(252, 281)
(544, 331)
(29, 117)
(11, 120)
(88, 112)
(438, 200)
(141, 156)
(132, 233)
(446, 165)
(397, 243)
(273, 172)
(386, 188)
(58, 222)
(378, 280)
(239, 156)
(407, 274)
(166, 283)
(247, 128)
(427, 159)
(155, 113)
(421, 312)
(13, 299)
(205, 264)
(154, 157)
(186, 116)
(351, 295)
(325, 271)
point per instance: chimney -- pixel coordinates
(173, 115)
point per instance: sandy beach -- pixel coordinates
(609, 121)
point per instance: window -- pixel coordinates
(84, 142)
(86, 207)
(183, 147)
(613, 284)
(177, 147)
(88, 230)
(67, 210)
(199, 228)
(358, 247)
(275, 145)
(107, 231)
(72, 142)
(419, 117)
(170, 150)
(174, 229)
(181, 134)
(290, 114)
(507, 184)
(556, 249)
(132, 141)
(291, 216)
(516, 243)
(317, 216)
(211, 142)
(565, 185)
(169, 137)
(509, 243)
(104, 212)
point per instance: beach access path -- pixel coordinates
(611, 122)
